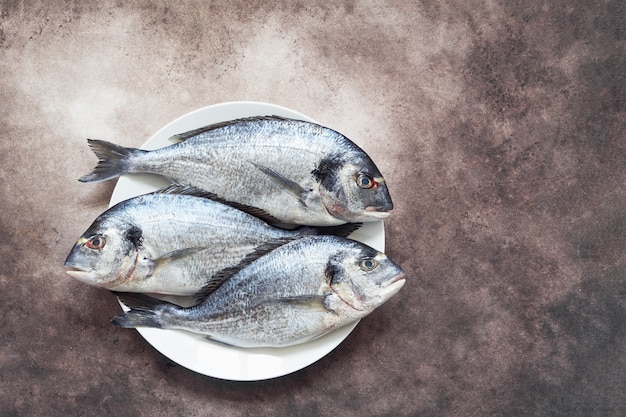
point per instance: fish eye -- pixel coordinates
(364, 181)
(368, 264)
(96, 242)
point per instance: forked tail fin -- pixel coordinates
(142, 311)
(114, 160)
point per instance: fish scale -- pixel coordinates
(230, 164)
(289, 295)
(296, 172)
(168, 243)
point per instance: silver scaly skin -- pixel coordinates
(295, 171)
(169, 244)
(293, 294)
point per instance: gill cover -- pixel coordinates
(352, 188)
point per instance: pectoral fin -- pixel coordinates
(317, 303)
(283, 182)
(175, 256)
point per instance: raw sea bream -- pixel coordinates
(171, 243)
(290, 295)
(252, 230)
(289, 171)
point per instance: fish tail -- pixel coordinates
(343, 230)
(136, 318)
(142, 311)
(114, 160)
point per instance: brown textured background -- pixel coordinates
(499, 128)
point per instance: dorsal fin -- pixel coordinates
(181, 137)
(180, 189)
(222, 276)
(177, 188)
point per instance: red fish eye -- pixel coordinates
(96, 242)
(365, 181)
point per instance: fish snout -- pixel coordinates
(82, 274)
(401, 276)
(392, 286)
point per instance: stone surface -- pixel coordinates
(499, 128)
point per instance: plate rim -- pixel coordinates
(158, 338)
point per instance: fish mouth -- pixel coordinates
(395, 283)
(378, 212)
(81, 274)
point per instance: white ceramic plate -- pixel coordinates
(191, 350)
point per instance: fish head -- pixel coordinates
(105, 255)
(352, 188)
(364, 278)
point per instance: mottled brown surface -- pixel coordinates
(500, 130)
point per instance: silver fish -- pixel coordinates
(295, 172)
(170, 244)
(294, 293)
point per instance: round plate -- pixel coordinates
(193, 351)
